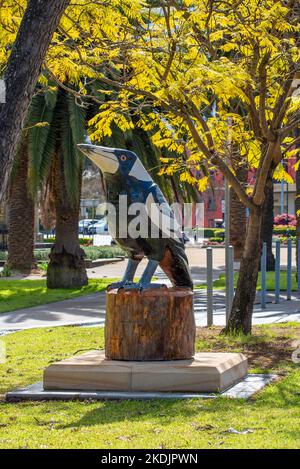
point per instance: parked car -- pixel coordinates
(100, 227)
(83, 225)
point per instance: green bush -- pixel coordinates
(91, 252)
(41, 254)
(49, 240)
(6, 272)
(216, 239)
(219, 232)
(82, 241)
(210, 232)
(284, 239)
(102, 252)
(284, 230)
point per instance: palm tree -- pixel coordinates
(56, 124)
(20, 215)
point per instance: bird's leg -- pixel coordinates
(145, 280)
(128, 275)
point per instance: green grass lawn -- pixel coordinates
(17, 294)
(220, 283)
(271, 417)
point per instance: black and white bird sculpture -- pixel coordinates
(124, 175)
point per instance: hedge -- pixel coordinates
(92, 253)
(284, 239)
(216, 239)
(81, 240)
(210, 232)
(284, 230)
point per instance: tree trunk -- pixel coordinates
(21, 217)
(156, 324)
(238, 220)
(240, 319)
(268, 223)
(66, 268)
(23, 68)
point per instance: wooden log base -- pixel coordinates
(154, 324)
(92, 371)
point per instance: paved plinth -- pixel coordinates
(250, 385)
(206, 372)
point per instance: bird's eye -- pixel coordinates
(123, 158)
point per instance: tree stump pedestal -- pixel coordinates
(156, 324)
(149, 346)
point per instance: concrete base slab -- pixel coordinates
(92, 371)
(242, 390)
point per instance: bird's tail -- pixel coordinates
(176, 267)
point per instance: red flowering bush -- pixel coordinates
(285, 219)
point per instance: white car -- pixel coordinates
(83, 225)
(100, 227)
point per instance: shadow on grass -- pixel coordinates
(134, 410)
(279, 395)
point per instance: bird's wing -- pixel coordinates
(162, 216)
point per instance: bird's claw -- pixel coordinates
(152, 286)
(134, 286)
(118, 285)
(143, 286)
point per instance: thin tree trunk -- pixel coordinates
(240, 319)
(66, 268)
(238, 221)
(21, 217)
(268, 223)
(297, 201)
(39, 22)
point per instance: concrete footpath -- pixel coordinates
(90, 310)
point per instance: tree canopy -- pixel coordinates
(212, 81)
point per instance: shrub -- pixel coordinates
(41, 254)
(209, 232)
(82, 241)
(3, 255)
(215, 239)
(219, 233)
(49, 240)
(6, 272)
(284, 230)
(91, 252)
(284, 239)
(102, 252)
(285, 219)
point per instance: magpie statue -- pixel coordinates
(125, 175)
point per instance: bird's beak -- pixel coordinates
(103, 157)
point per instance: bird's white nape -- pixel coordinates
(139, 172)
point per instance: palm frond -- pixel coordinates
(77, 123)
(39, 125)
(72, 128)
